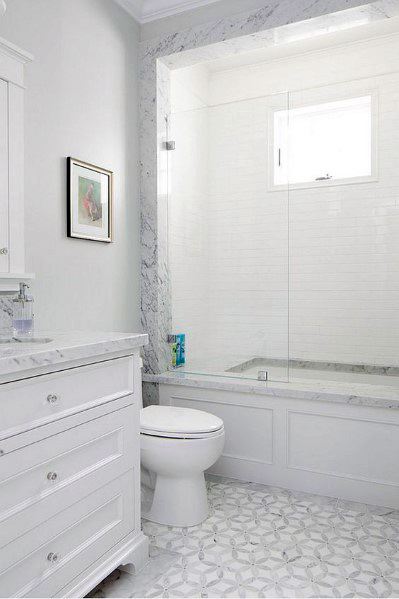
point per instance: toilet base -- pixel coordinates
(179, 502)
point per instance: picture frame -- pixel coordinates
(89, 201)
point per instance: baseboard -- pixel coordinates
(307, 482)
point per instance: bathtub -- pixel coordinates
(300, 370)
(336, 438)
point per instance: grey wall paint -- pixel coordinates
(197, 16)
(81, 100)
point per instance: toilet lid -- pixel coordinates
(169, 421)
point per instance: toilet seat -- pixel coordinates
(179, 423)
(168, 435)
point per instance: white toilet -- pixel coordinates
(177, 446)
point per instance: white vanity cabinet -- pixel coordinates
(12, 247)
(70, 479)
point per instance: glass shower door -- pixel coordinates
(228, 238)
(344, 226)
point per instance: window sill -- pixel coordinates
(324, 183)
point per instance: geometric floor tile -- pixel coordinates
(262, 541)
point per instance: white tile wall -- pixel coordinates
(188, 231)
(229, 234)
(249, 237)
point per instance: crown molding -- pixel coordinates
(145, 11)
(133, 7)
(158, 9)
(14, 52)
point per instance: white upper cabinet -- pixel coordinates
(4, 255)
(12, 245)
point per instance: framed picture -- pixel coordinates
(90, 201)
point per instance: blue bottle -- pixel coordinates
(181, 349)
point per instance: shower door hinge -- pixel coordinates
(170, 145)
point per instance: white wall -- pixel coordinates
(344, 276)
(81, 101)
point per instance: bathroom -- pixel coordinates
(215, 311)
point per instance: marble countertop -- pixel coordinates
(314, 390)
(20, 359)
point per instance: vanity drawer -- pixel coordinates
(40, 480)
(27, 404)
(69, 542)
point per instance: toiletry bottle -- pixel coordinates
(22, 318)
(173, 348)
(174, 354)
(181, 340)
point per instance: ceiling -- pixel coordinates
(150, 10)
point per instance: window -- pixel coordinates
(323, 143)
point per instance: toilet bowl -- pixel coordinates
(177, 446)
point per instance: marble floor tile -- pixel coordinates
(262, 541)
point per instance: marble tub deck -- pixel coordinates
(328, 368)
(262, 541)
(379, 396)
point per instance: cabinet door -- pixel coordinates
(4, 245)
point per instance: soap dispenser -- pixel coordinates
(22, 318)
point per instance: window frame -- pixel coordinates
(326, 99)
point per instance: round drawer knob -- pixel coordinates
(4, 251)
(52, 476)
(52, 398)
(52, 557)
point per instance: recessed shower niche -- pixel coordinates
(282, 207)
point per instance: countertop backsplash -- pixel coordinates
(5, 314)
